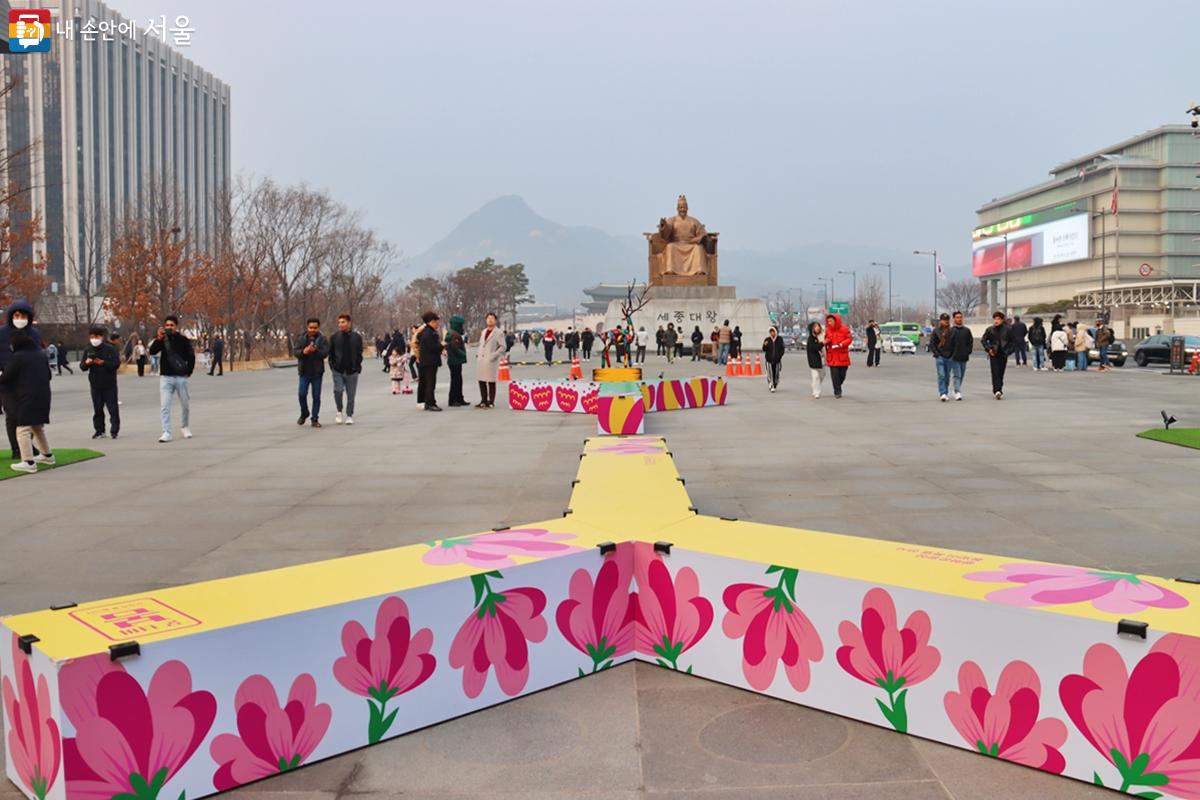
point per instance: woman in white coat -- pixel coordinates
(487, 362)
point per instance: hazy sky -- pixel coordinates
(867, 121)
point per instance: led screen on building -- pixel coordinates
(1034, 240)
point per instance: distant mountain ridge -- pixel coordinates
(562, 260)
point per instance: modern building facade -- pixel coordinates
(1117, 230)
(118, 125)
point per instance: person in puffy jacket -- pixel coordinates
(814, 347)
(1037, 341)
(773, 348)
(837, 351)
(26, 383)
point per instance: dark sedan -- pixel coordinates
(1158, 349)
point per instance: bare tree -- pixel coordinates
(965, 296)
(872, 301)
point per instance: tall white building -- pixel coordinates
(120, 125)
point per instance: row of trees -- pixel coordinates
(473, 292)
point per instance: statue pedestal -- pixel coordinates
(706, 306)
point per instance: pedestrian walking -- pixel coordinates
(837, 351)
(218, 356)
(548, 342)
(429, 355)
(997, 343)
(25, 383)
(773, 348)
(176, 362)
(572, 342)
(697, 343)
(586, 340)
(660, 339)
(139, 353)
(1059, 344)
(101, 361)
(621, 343)
(345, 362)
(1018, 333)
(670, 342)
(964, 344)
(18, 319)
(1037, 343)
(1104, 340)
(814, 348)
(487, 361)
(1083, 343)
(724, 340)
(643, 341)
(941, 345)
(398, 371)
(735, 342)
(874, 345)
(52, 355)
(456, 356)
(311, 350)
(63, 357)
(525, 341)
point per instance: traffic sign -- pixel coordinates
(1144, 270)
(839, 307)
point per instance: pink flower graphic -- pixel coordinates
(597, 618)
(497, 548)
(1005, 724)
(34, 746)
(270, 739)
(882, 654)
(1146, 723)
(670, 615)
(496, 634)
(1054, 584)
(129, 741)
(394, 662)
(634, 446)
(775, 629)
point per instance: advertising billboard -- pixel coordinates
(1034, 240)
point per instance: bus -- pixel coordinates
(911, 330)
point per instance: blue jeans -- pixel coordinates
(1039, 356)
(167, 386)
(315, 382)
(723, 356)
(943, 373)
(1081, 360)
(959, 369)
(1104, 355)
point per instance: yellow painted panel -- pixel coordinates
(629, 485)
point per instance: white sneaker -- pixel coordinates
(772, 390)
(349, 420)
(337, 418)
(958, 395)
(187, 433)
(999, 395)
(166, 437)
(42, 458)
(24, 466)
(943, 398)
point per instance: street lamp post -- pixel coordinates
(889, 267)
(832, 296)
(854, 283)
(824, 293)
(935, 276)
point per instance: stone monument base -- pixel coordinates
(706, 306)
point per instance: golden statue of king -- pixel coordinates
(682, 252)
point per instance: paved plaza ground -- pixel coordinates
(1052, 472)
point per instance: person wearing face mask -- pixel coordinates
(19, 318)
(101, 361)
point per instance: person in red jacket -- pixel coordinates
(837, 351)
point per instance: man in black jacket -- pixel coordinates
(218, 356)
(997, 342)
(941, 344)
(345, 362)
(773, 348)
(1017, 332)
(310, 351)
(586, 340)
(963, 342)
(101, 362)
(429, 358)
(176, 364)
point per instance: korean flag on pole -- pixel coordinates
(941, 274)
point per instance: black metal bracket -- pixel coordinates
(25, 643)
(662, 547)
(63, 606)
(1189, 579)
(693, 509)
(607, 547)
(568, 511)
(575, 482)
(1132, 628)
(499, 528)
(681, 480)
(730, 519)
(123, 650)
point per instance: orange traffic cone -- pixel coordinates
(758, 366)
(729, 369)
(737, 367)
(747, 368)
(576, 369)
(503, 376)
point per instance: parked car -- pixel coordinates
(1158, 349)
(858, 344)
(899, 344)
(1117, 352)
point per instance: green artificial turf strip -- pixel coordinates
(62, 458)
(1184, 437)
